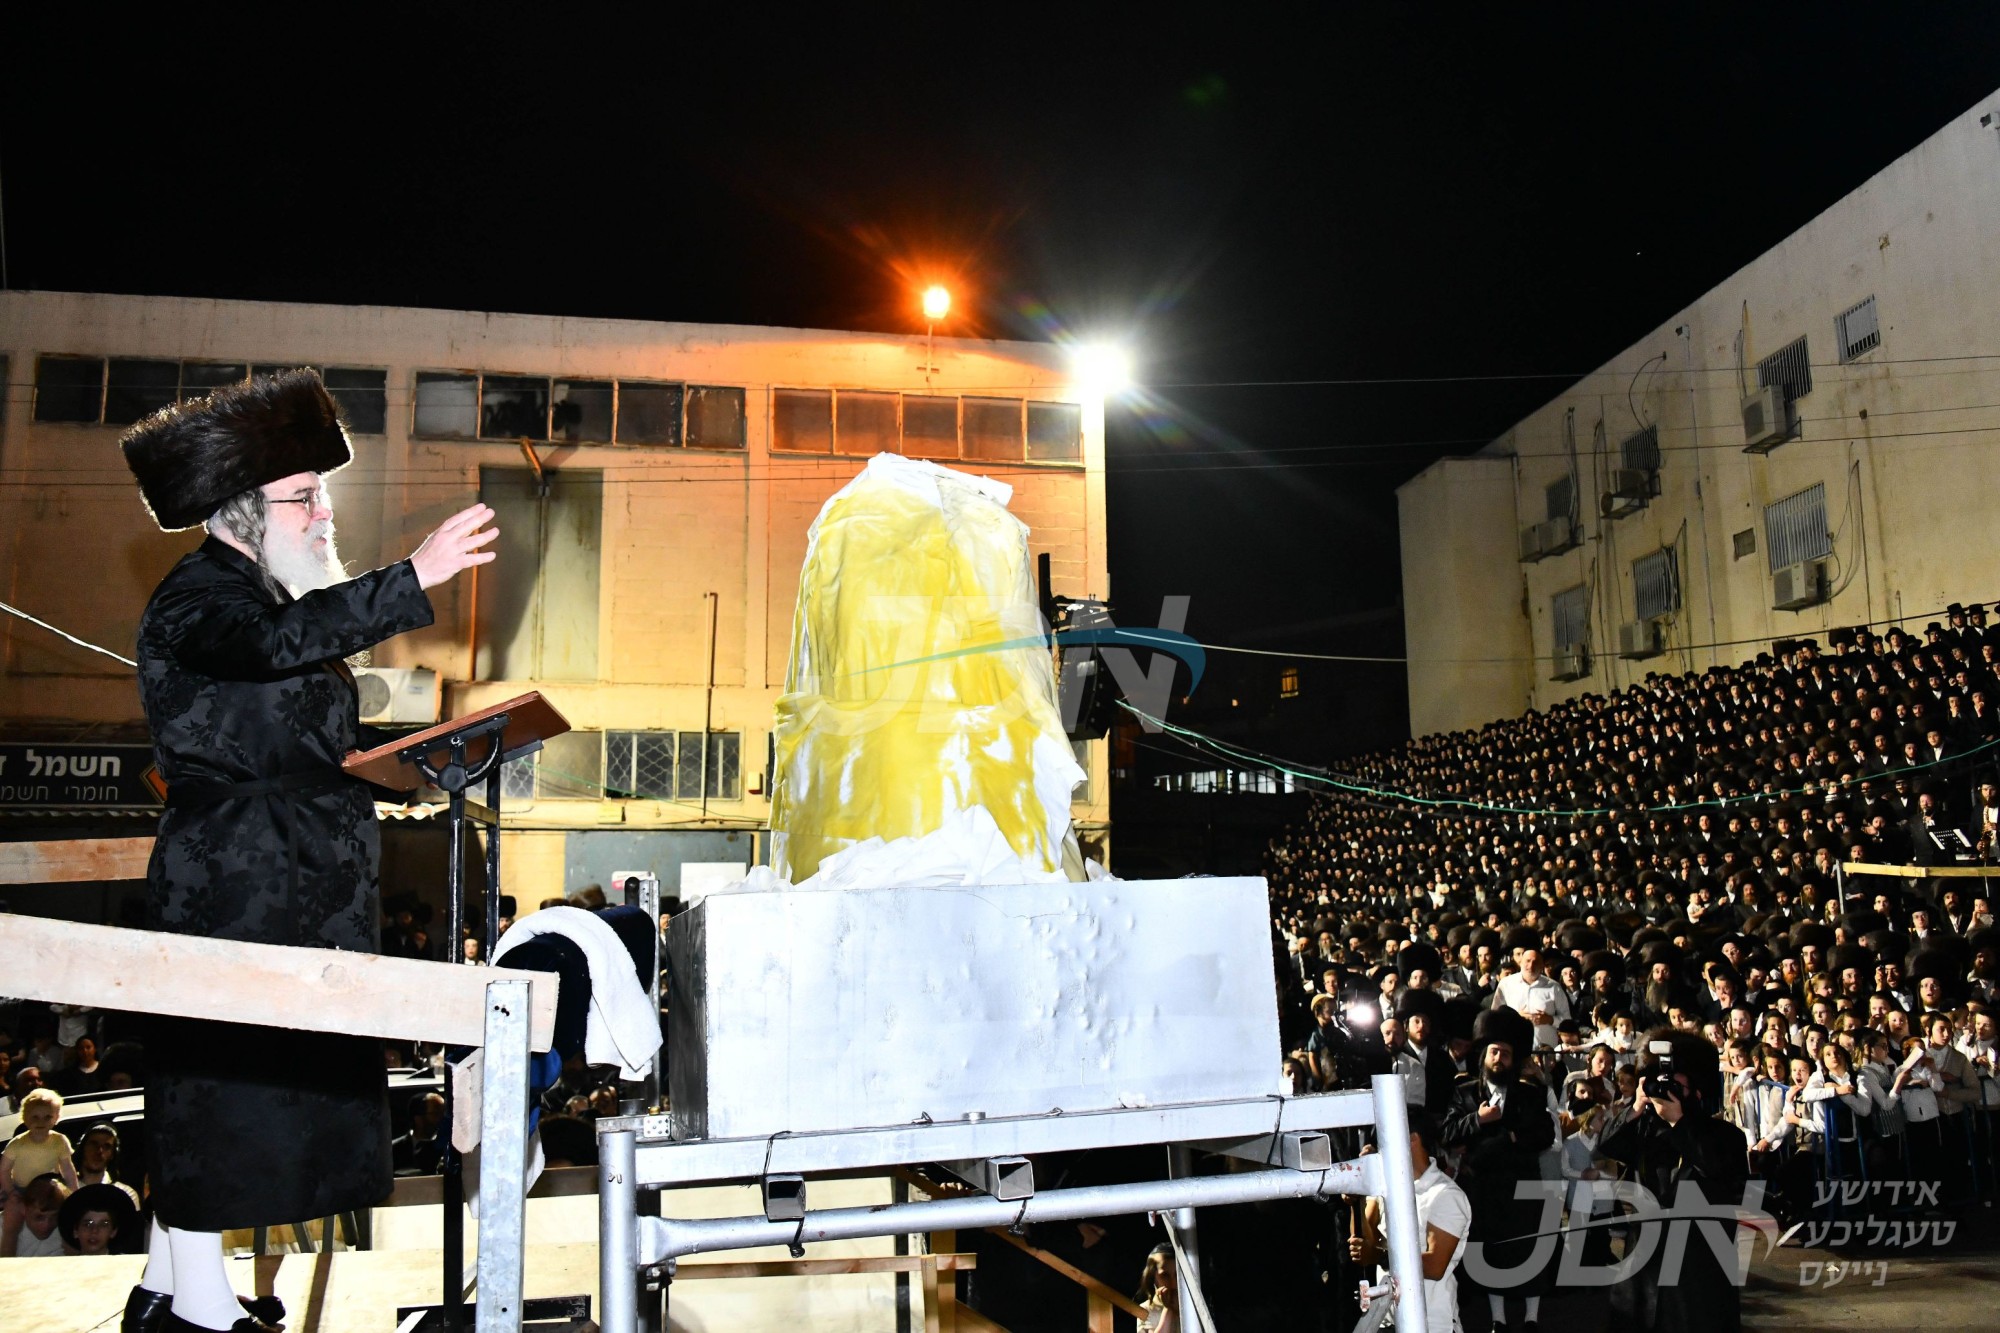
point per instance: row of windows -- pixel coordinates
(446, 405)
(630, 765)
(865, 423)
(577, 411)
(118, 391)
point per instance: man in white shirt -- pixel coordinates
(1531, 992)
(1444, 1215)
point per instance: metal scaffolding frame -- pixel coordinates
(637, 1155)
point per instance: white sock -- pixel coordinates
(159, 1274)
(1534, 1307)
(1497, 1306)
(202, 1294)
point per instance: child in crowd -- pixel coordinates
(41, 1150)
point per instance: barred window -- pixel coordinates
(930, 426)
(1857, 330)
(802, 420)
(1559, 497)
(639, 764)
(1656, 586)
(715, 417)
(1795, 528)
(864, 423)
(1571, 609)
(1641, 450)
(1789, 366)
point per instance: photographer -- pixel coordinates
(1677, 1135)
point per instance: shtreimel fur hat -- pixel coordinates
(193, 456)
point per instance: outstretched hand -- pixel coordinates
(454, 546)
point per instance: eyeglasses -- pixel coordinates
(316, 500)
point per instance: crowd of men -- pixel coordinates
(1544, 923)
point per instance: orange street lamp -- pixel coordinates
(937, 304)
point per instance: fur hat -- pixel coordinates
(1411, 957)
(1523, 937)
(1603, 960)
(1426, 1002)
(192, 457)
(1503, 1024)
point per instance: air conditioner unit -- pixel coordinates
(1640, 638)
(393, 695)
(1767, 420)
(1572, 662)
(1796, 587)
(1558, 535)
(1632, 483)
(1531, 542)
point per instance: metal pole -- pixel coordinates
(1187, 1245)
(451, 1164)
(1399, 1199)
(492, 856)
(617, 1232)
(503, 1157)
(675, 1238)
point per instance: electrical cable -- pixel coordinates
(1308, 773)
(81, 643)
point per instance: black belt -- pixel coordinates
(195, 795)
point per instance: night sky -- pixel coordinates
(1245, 194)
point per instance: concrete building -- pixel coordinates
(1808, 445)
(654, 484)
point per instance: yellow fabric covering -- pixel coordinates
(899, 704)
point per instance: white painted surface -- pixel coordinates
(880, 1006)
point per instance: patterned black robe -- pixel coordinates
(252, 1126)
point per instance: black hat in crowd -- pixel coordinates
(1502, 1024)
(1411, 957)
(192, 457)
(1603, 960)
(1459, 1018)
(102, 1198)
(1429, 1003)
(1523, 937)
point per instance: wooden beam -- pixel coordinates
(72, 860)
(1922, 872)
(871, 1263)
(312, 990)
(1090, 1284)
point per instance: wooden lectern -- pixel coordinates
(452, 756)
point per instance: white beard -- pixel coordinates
(301, 568)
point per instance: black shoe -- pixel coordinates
(1532, 1326)
(145, 1311)
(248, 1324)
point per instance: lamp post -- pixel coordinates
(937, 304)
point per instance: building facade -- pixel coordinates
(654, 483)
(1810, 445)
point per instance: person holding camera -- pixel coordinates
(1677, 1134)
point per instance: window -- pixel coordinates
(649, 413)
(201, 378)
(1856, 330)
(723, 769)
(687, 766)
(582, 411)
(1571, 608)
(930, 426)
(1288, 683)
(865, 424)
(993, 428)
(447, 406)
(715, 417)
(1559, 497)
(1795, 528)
(639, 764)
(134, 389)
(1745, 542)
(802, 420)
(1081, 792)
(512, 407)
(571, 765)
(1656, 586)
(69, 388)
(1790, 367)
(1641, 450)
(1055, 432)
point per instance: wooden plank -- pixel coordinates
(933, 1308)
(1090, 1284)
(75, 859)
(1099, 1314)
(1922, 872)
(867, 1263)
(313, 990)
